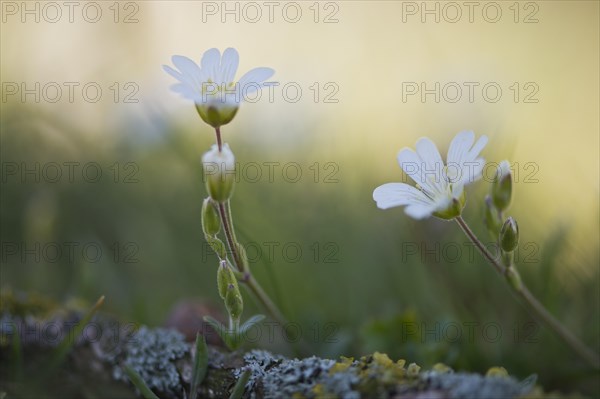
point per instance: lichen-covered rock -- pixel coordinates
(371, 376)
(475, 386)
(163, 359)
(152, 354)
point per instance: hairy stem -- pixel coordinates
(532, 304)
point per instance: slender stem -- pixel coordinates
(230, 235)
(234, 325)
(583, 351)
(532, 304)
(248, 279)
(252, 284)
(264, 299)
(218, 133)
(486, 254)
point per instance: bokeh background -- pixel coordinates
(366, 279)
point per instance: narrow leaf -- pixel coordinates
(139, 382)
(200, 365)
(240, 385)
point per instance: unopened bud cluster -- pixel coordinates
(504, 231)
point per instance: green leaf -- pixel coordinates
(251, 322)
(222, 331)
(240, 385)
(139, 383)
(200, 365)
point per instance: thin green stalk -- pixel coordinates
(532, 304)
(250, 282)
(247, 278)
(225, 213)
(486, 254)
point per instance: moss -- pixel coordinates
(22, 305)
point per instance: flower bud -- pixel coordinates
(216, 245)
(234, 302)
(219, 172)
(509, 235)
(211, 223)
(225, 278)
(492, 219)
(243, 257)
(502, 187)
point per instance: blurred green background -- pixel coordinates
(366, 279)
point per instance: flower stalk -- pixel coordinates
(530, 301)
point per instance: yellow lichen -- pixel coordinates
(342, 365)
(497, 372)
(441, 368)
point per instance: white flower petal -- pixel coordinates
(397, 194)
(433, 166)
(474, 152)
(503, 169)
(229, 65)
(419, 211)
(457, 190)
(176, 74)
(186, 66)
(254, 78)
(411, 164)
(471, 171)
(210, 63)
(459, 147)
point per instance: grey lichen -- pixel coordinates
(372, 376)
(152, 355)
(277, 377)
(475, 386)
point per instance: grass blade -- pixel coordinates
(240, 385)
(200, 365)
(68, 343)
(139, 383)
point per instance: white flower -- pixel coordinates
(212, 85)
(439, 189)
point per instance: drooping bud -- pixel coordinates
(219, 172)
(509, 235)
(502, 187)
(211, 223)
(234, 302)
(225, 278)
(492, 219)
